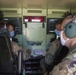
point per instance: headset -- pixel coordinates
(70, 30)
(5, 31)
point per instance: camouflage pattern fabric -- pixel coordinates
(43, 66)
(49, 57)
(28, 54)
(16, 47)
(50, 54)
(68, 64)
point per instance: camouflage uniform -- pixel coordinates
(48, 59)
(16, 47)
(54, 46)
(68, 64)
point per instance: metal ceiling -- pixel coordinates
(54, 4)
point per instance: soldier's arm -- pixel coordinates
(66, 67)
(16, 47)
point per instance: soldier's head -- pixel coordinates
(66, 20)
(10, 28)
(58, 27)
(58, 24)
(68, 36)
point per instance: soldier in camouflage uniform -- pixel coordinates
(68, 64)
(15, 46)
(51, 52)
(49, 57)
(9, 65)
(54, 46)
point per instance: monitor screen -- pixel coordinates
(51, 24)
(17, 23)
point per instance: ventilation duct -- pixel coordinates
(10, 11)
(58, 11)
(34, 11)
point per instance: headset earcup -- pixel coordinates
(70, 30)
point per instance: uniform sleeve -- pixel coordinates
(16, 47)
(66, 67)
(54, 46)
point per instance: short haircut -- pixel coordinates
(8, 24)
(59, 21)
(68, 15)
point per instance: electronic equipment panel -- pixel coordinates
(51, 24)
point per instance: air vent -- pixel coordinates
(58, 12)
(9, 11)
(34, 11)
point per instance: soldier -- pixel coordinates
(50, 54)
(58, 27)
(15, 46)
(9, 66)
(68, 38)
(11, 29)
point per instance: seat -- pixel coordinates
(7, 58)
